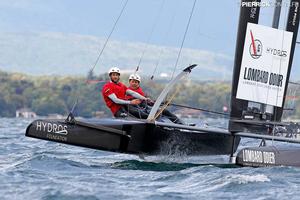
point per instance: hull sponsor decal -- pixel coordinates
(52, 128)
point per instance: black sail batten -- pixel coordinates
(292, 26)
(247, 14)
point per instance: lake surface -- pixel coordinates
(36, 169)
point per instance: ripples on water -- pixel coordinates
(36, 169)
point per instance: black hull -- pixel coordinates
(135, 137)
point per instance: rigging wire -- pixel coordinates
(199, 109)
(162, 48)
(112, 30)
(294, 83)
(280, 62)
(150, 35)
(157, 63)
(282, 43)
(184, 36)
(97, 60)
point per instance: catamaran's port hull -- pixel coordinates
(135, 137)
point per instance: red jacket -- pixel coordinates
(138, 90)
(109, 88)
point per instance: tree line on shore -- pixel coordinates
(46, 95)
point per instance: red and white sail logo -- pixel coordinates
(256, 47)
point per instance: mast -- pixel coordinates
(247, 14)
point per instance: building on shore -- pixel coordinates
(25, 113)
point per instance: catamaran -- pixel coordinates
(262, 66)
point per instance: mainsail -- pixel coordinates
(262, 67)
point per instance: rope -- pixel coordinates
(112, 30)
(162, 48)
(282, 39)
(150, 35)
(200, 109)
(186, 30)
(294, 83)
(92, 69)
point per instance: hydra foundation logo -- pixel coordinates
(256, 47)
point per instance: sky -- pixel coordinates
(213, 26)
(212, 20)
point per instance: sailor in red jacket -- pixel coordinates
(114, 94)
(134, 85)
(136, 110)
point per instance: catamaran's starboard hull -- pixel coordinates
(134, 137)
(269, 156)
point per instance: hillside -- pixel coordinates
(40, 53)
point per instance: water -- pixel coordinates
(36, 169)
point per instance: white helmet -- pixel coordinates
(114, 69)
(135, 77)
